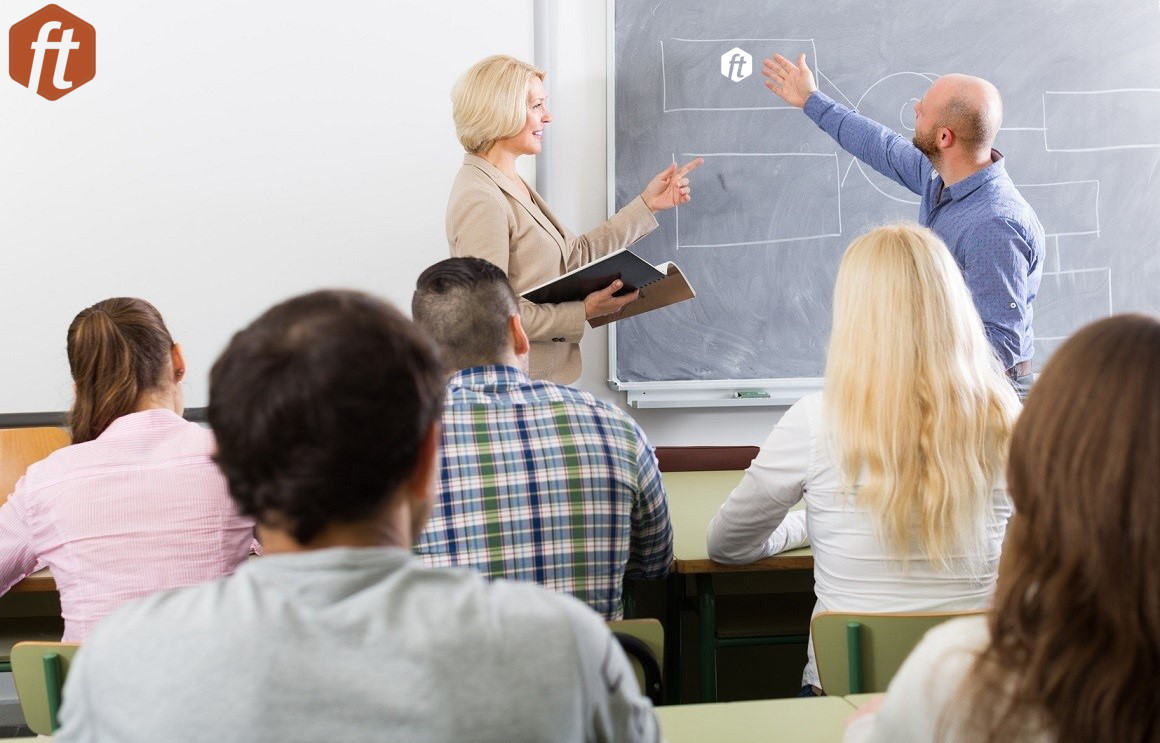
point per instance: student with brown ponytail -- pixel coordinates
(1071, 649)
(135, 505)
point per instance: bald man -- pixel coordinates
(967, 197)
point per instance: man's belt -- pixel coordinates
(1022, 369)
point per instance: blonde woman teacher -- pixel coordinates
(500, 109)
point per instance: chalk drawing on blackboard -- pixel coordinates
(847, 173)
(888, 99)
(1048, 253)
(822, 76)
(1067, 300)
(1101, 120)
(1065, 207)
(1071, 298)
(692, 76)
(735, 197)
(906, 115)
(775, 299)
(879, 189)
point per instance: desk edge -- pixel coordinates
(691, 567)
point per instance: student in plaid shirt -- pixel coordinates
(539, 481)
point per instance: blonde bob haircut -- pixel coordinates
(921, 410)
(490, 101)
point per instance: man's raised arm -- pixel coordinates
(874, 144)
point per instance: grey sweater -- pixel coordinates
(353, 645)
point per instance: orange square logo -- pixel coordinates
(52, 52)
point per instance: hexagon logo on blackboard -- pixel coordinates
(736, 64)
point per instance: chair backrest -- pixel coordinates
(860, 653)
(20, 447)
(643, 641)
(39, 670)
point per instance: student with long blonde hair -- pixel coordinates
(1071, 649)
(899, 459)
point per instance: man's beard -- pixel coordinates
(926, 144)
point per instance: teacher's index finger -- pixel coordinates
(691, 166)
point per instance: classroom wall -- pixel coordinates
(227, 156)
(254, 173)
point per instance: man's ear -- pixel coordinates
(946, 138)
(178, 359)
(424, 479)
(516, 335)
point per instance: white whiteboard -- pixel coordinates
(226, 156)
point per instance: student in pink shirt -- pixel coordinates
(136, 504)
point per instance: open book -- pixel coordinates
(659, 285)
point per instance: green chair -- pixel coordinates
(643, 640)
(39, 670)
(860, 653)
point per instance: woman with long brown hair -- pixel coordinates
(136, 504)
(1071, 649)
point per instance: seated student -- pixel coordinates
(539, 481)
(135, 505)
(326, 410)
(900, 458)
(1070, 651)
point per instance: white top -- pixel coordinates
(923, 696)
(352, 644)
(853, 570)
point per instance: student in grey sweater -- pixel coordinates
(326, 412)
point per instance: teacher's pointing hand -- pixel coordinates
(670, 187)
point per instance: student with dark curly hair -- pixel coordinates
(1071, 649)
(326, 410)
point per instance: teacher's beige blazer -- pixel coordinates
(489, 217)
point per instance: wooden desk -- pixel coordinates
(694, 498)
(766, 721)
(40, 581)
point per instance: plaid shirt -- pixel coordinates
(542, 482)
